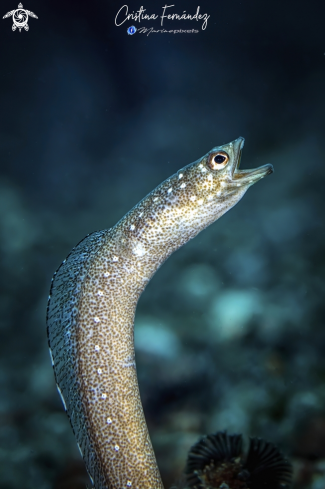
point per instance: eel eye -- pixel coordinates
(217, 161)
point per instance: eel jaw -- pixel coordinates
(247, 177)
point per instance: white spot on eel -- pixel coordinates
(139, 249)
(99, 313)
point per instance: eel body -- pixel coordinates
(92, 305)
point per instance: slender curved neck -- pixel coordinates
(131, 253)
(92, 306)
(106, 366)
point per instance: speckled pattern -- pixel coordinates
(92, 305)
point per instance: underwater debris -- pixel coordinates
(216, 462)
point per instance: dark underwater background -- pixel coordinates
(230, 333)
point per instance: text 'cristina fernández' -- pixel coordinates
(123, 15)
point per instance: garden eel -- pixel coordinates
(92, 305)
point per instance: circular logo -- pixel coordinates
(20, 18)
(131, 30)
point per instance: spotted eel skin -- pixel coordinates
(92, 305)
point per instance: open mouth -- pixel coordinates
(252, 176)
(249, 176)
(239, 157)
(238, 145)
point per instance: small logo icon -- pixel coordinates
(20, 18)
(131, 30)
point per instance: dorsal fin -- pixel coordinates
(62, 322)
